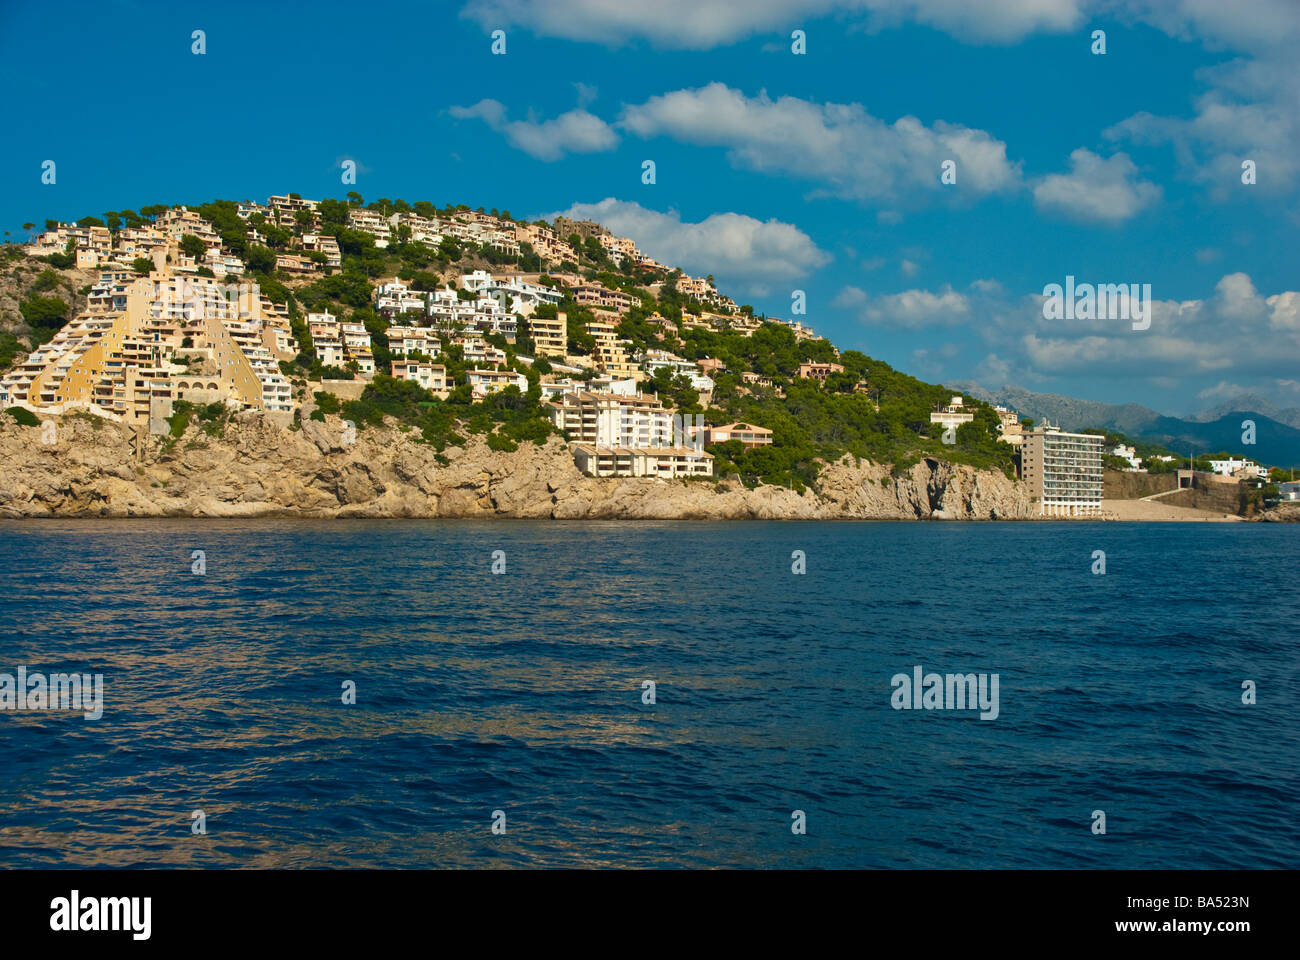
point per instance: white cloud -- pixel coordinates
(1250, 107)
(691, 25)
(574, 132)
(908, 268)
(849, 297)
(1237, 335)
(737, 249)
(916, 309)
(993, 372)
(1096, 190)
(839, 145)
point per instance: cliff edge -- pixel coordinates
(257, 468)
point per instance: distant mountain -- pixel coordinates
(1068, 412)
(1249, 401)
(1277, 441)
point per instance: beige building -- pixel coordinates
(550, 337)
(616, 435)
(149, 342)
(818, 371)
(1009, 426)
(484, 382)
(1063, 471)
(431, 376)
(747, 433)
(667, 463)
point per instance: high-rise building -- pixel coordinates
(1063, 471)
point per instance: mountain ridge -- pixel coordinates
(1276, 441)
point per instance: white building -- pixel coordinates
(1234, 467)
(1126, 452)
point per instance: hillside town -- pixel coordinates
(605, 343)
(163, 324)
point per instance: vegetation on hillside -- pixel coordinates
(870, 411)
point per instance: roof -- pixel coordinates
(741, 426)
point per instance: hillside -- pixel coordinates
(868, 411)
(254, 467)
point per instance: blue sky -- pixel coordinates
(774, 171)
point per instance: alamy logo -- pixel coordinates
(59, 691)
(688, 433)
(73, 913)
(1104, 301)
(953, 691)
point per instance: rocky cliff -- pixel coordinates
(257, 468)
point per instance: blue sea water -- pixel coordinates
(521, 692)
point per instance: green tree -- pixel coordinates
(259, 259)
(49, 313)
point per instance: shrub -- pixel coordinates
(24, 416)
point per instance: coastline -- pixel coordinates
(259, 469)
(314, 470)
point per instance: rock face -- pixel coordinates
(257, 468)
(1284, 513)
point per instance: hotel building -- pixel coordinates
(1063, 471)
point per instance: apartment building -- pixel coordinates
(223, 264)
(484, 382)
(1009, 427)
(655, 360)
(395, 298)
(546, 243)
(1063, 471)
(747, 433)
(293, 263)
(550, 336)
(181, 221)
(801, 330)
(357, 347)
(372, 222)
(610, 352)
(598, 295)
(514, 294)
(285, 209)
(431, 376)
(619, 249)
(404, 341)
(621, 435)
(93, 245)
(741, 324)
(316, 243)
(476, 350)
(142, 243)
(613, 420)
(664, 463)
(121, 357)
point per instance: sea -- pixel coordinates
(471, 694)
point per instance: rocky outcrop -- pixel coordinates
(1283, 513)
(256, 468)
